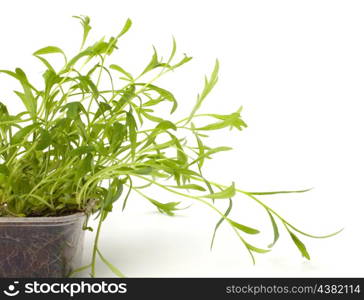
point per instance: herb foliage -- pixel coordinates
(79, 147)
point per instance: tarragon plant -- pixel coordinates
(94, 129)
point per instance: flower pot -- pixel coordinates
(40, 247)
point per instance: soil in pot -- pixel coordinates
(42, 247)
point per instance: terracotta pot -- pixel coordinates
(41, 247)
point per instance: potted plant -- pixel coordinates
(83, 140)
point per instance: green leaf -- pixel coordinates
(23, 133)
(85, 166)
(207, 154)
(132, 129)
(301, 246)
(173, 52)
(4, 170)
(167, 95)
(232, 121)
(162, 146)
(44, 141)
(142, 170)
(74, 109)
(275, 229)
(151, 117)
(182, 158)
(278, 192)
(227, 212)
(126, 27)
(153, 102)
(255, 249)
(81, 128)
(114, 192)
(118, 134)
(75, 59)
(28, 102)
(154, 63)
(209, 85)
(214, 126)
(103, 108)
(121, 70)
(201, 149)
(3, 109)
(223, 124)
(50, 50)
(224, 194)
(167, 208)
(88, 85)
(11, 73)
(109, 47)
(246, 229)
(46, 63)
(101, 47)
(85, 22)
(127, 95)
(129, 191)
(189, 187)
(50, 79)
(183, 61)
(27, 97)
(165, 125)
(82, 150)
(216, 150)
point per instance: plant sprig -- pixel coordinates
(80, 147)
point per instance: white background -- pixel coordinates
(297, 67)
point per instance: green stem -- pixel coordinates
(204, 202)
(284, 221)
(96, 242)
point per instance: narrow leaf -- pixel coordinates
(278, 192)
(255, 249)
(74, 109)
(167, 208)
(85, 22)
(224, 194)
(22, 134)
(121, 70)
(132, 128)
(114, 192)
(4, 170)
(154, 63)
(220, 222)
(44, 141)
(128, 193)
(246, 229)
(163, 93)
(164, 125)
(209, 85)
(126, 27)
(275, 230)
(189, 187)
(50, 50)
(301, 246)
(82, 150)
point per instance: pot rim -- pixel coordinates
(32, 221)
